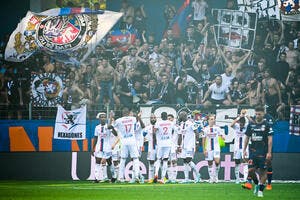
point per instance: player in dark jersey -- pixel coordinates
(260, 150)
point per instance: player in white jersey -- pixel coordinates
(102, 149)
(172, 164)
(126, 127)
(139, 141)
(150, 136)
(211, 147)
(239, 127)
(165, 129)
(187, 145)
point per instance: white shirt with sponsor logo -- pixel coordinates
(103, 140)
(127, 128)
(150, 129)
(239, 136)
(187, 130)
(211, 135)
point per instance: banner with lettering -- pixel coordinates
(70, 124)
(67, 34)
(295, 120)
(286, 10)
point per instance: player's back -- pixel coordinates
(126, 127)
(165, 129)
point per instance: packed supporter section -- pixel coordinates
(184, 63)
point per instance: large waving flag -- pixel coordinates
(67, 34)
(181, 19)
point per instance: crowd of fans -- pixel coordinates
(191, 69)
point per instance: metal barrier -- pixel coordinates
(29, 112)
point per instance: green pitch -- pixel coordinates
(73, 190)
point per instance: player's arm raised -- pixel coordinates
(138, 118)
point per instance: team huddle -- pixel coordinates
(118, 139)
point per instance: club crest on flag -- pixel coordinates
(289, 7)
(46, 89)
(70, 119)
(69, 35)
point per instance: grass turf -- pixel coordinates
(73, 190)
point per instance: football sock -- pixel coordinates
(151, 171)
(237, 171)
(97, 171)
(170, 171)
(156, 167)
(112, 171)
(136, 167)
(186, 171)
(174, 172)
(104, 168)
(122, 168)
(217, 170)
(193, 166)
(245, 171)
(116, 170)
(210, 172)
(261, 187)
(269, 175)
(164, 168)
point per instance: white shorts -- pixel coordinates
(187, 153)
(151, 155)
(212, 154)
(238, 154)
(103, 154)
(163, 152)
(131, 150)
(173, 154)
(116, 154)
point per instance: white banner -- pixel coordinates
(263, 8)
(67, 34)
(70, 125)
(295, 120)
(234, 28)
